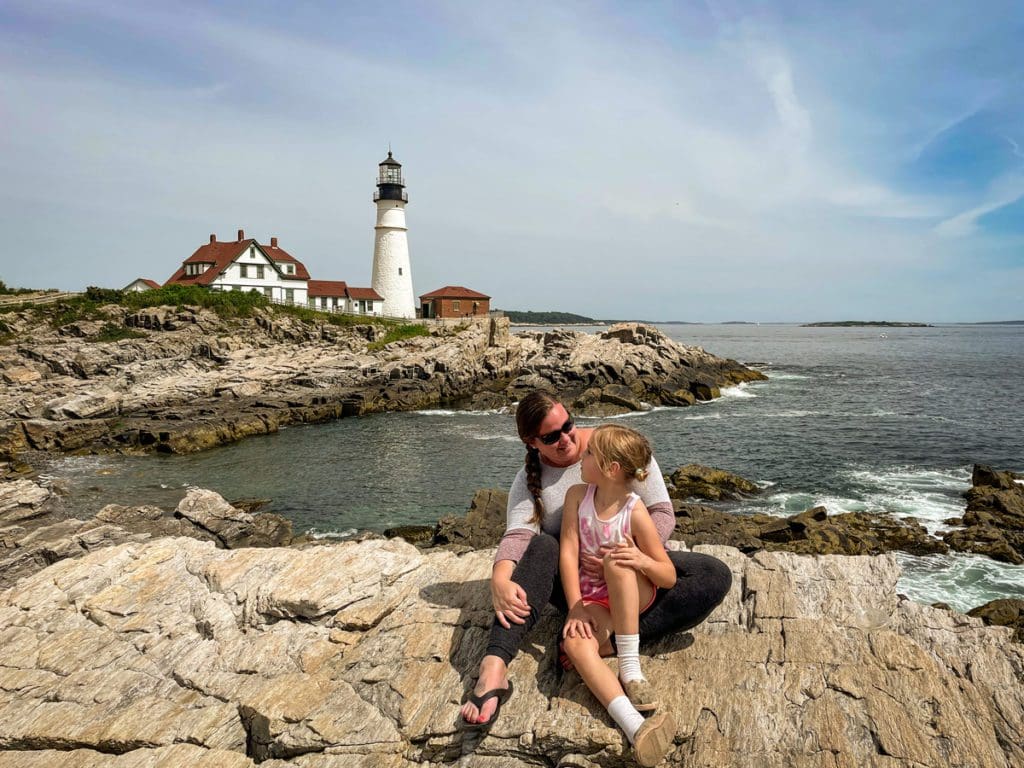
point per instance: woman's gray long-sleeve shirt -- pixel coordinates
(555, 481)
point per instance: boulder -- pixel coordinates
(481, 527)
(176, 653)
(97, 402)
(701, 482)
(231, 527)
(1003, 613)
(993, 523)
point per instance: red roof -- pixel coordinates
(327, 288)
(454, 292)
(150, 283)
(221, 254)
(364, 293)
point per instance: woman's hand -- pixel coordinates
(509, 601)
(628, 554)
(578, 623)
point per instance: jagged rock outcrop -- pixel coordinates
(36, 530)
(993, 523)
(195, 381)
(176, 653)
(698, 481)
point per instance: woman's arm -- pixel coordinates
(577, 623)
(509, 599)
(648, 556)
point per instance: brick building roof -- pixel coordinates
(454, 292)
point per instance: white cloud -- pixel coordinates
(1004, 191)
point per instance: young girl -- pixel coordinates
(604, 514)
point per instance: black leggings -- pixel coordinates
(702, 582)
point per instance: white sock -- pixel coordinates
(629, 657)
(625, 715)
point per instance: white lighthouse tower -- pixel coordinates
(392, 277)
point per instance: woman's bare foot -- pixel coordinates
(493, 675)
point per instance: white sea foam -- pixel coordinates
(931, 496)
(784, 376)
(447, 412)
(961, 580)
(740, 390)
(348, 533)
(790, 503)
(702, 416)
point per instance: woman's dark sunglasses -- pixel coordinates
(550, 438)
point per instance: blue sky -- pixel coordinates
(694, 161)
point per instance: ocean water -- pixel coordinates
(888, 421)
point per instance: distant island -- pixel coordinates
(864, 324)
(517, 317)
(1000, 322)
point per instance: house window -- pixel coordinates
(362, 305)
(399, 270)
(323, 302)
(259, 271)
(289, 295)
(252, 251)
(369, 306)
(290, 269)
(455, 305)
(243, 270)
(268, 292)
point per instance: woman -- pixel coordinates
(525, 571)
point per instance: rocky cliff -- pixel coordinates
(194, 381)
(176, 653)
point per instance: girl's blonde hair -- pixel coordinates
(611, 442)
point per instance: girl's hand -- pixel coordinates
(593, 565)
(578, 623)
(510, 604)
(627, 553)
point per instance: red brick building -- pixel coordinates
(454, 301)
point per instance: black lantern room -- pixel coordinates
(390, 185)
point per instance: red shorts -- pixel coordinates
(603, 601)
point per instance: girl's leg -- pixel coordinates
(583, 651)
(627, 591)
(536, 574)
(702, 583)
(651, 738)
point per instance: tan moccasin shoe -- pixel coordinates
(641, 695)
(653, 739)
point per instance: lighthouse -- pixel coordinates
(392, 277)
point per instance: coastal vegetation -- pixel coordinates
(864, 324)
(225, 304)
(517, 317)
(398, 333)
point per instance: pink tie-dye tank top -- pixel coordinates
(596, 533)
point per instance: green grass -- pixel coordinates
(226, 304)
(114, 332)
(397, 333)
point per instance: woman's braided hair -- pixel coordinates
(531, 411)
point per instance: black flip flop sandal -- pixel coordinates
(501, 694)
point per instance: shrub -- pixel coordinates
(114, 332)
(397, 333)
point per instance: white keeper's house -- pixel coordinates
(247, 265)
